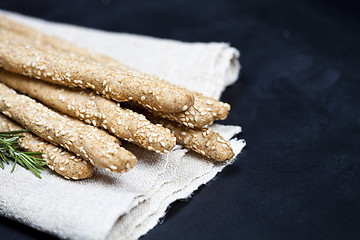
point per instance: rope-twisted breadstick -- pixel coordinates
(120, 86)
(90, 143)
(58, 159)
(96, 110)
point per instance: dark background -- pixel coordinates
(297, 100)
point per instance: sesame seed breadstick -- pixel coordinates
(58, 159)
(11, 30)
(38, 38)
(33, 37)
(218, 109)
(96, 110)
(204, 112)
(204, 141)
(14, 37)
(207, 105)
(120, 86)
(86, 141)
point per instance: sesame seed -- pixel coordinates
(224, 145)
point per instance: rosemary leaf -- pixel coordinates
(10, 151)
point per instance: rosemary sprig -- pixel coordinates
(10, 151)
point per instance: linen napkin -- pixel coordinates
(124, 206)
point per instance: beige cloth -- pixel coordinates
(124, 206)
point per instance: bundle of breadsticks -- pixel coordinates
(79, 105)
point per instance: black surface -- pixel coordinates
(297, 101)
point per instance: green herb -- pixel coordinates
(10, 151)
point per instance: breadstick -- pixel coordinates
(96, 110)
(11, 30)
(38, 38)
(204, 141)
(120, 86)
(38, 42)
(86, 141)
(58, 159)
(211, 109)
(219, 110)
(204, 112)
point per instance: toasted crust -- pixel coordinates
(86, 141)
(96, 110)
(58, 159)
